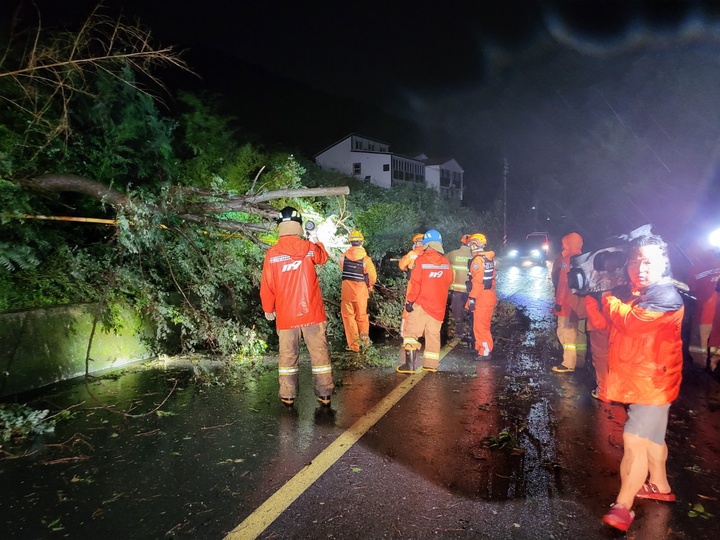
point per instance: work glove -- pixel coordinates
(270, 316)
(409, 307)
(471, 304)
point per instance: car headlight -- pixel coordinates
(714, 238)
(513, 253)
(535, 253)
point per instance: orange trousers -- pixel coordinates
(356, 322)
(485, 303)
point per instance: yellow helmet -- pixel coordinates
(356, 236)
(477, 241)
(418, 237)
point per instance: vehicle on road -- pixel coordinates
(533, 250)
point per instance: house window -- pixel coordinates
(356, 169)
(386, 167)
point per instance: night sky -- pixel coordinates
(571, 94)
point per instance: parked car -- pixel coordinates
(530, 251)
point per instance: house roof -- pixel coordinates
(347, 137)
(436, 161)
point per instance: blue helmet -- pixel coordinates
(431, 236)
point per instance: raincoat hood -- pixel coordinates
(294, 246)
(355, 253)
(290, 228)
(572, 244)
(437, 246)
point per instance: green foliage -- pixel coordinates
(330, 283)
(13, 257)
(369, 356)
(388, 302)
(199, 287)
(504, 441)
(66, 275)
(119, 137)
(208, 149)
(19, 422)
(698, 510)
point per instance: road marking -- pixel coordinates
(279, 501)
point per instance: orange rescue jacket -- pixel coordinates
(482, 273)
(429, 283)
(357, 279)
(289, 285)
(565, 301)
(645, 356)
(407, 261)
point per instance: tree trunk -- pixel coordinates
(201, 212)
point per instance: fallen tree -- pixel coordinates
(198, 206)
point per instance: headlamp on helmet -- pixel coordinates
(289, 214)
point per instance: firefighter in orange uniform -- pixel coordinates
(358, 278)
(290, 295)
(481, 293)
(703, 276)
(406, 264)
(569, 308)
(426, 304)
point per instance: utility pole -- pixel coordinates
(505, 173)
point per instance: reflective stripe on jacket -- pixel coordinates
(482, 272)
(645, 358)
(289, 285)
(460, 260)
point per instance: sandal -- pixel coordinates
(650, 491)
(619, 517)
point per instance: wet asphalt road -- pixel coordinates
(210, 456)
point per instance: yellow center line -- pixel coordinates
(279, 501)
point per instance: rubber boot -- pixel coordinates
(410, 362)
(414, 359)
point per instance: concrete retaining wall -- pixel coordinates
(43, 346)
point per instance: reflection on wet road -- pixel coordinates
(490, 449)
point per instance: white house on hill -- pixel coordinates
(444, 175)
(372, 161)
